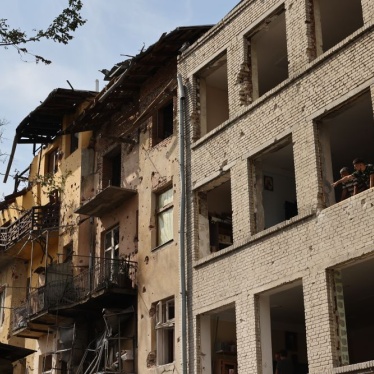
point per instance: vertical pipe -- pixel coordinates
(182, 213)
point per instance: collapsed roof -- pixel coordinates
(127, 77)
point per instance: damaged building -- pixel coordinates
(93, 235)
(183, 219)
(279, 97)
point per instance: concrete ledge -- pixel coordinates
(360, 368)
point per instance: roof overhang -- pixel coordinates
(13, 353)
(126, 78)
(44, 123)
(105, 201)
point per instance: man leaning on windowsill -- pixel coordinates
(364, 175)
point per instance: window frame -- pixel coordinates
(158, 122)
(160, 212)
(165, 331)
(52, 158)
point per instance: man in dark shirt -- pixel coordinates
(284, 365)
(364, 175)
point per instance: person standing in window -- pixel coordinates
(284, 365)
(347, 187)
(364, 175)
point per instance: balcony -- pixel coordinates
(105, 201)
(35, 219)
(70, 289)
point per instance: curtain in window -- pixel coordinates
(165, 226)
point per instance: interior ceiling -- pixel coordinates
(358, 283)
(339, 18)
(351, 132)
(279, 161)
(218, 78)
(269, 46)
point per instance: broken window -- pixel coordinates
(352, 306)
(334, 21)
(112, 168)
(52, 161)
(267, 54)
(111, 255)
(163, 123)
(218, 340)
(164, 216)
(74, 141)
(213, 98)
(274, 185)
(165, 322)
(68, 251)
(282, 326)
(344, 133)
(46, 364)
(215, 216)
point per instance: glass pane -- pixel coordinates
(165, 226)
(108, 240)
(116, 236)
(165, 198)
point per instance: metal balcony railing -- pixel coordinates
(37, 218)
(67, 289)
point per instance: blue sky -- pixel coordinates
(113, 28)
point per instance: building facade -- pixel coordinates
(104, 290)
(279, 97)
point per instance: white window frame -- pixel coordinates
(111, 252)
(165, 330)
(164, 216)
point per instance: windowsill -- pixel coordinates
(253, 238)
(162, 245)
(354, 367)
(291, 79)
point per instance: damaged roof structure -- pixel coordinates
(44, 123)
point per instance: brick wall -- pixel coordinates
(317, 239)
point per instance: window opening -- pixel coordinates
(215, 216)
(164, 216)
(218, 340)
(74, 141)
(52, 161)
(274, 186)
(212, 84)
(68, 251)
(46, 362)
(2, 304)
(335, 20)
(112, 168)
(282, 327)
(340, 142)
(111, 254)
(163, 123)
(267, 49)
(353, 308)
(165, 322)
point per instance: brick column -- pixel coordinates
(240, 197)
(298, 38)
(248, 342)
(319, 324)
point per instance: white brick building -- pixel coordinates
(279, 97)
